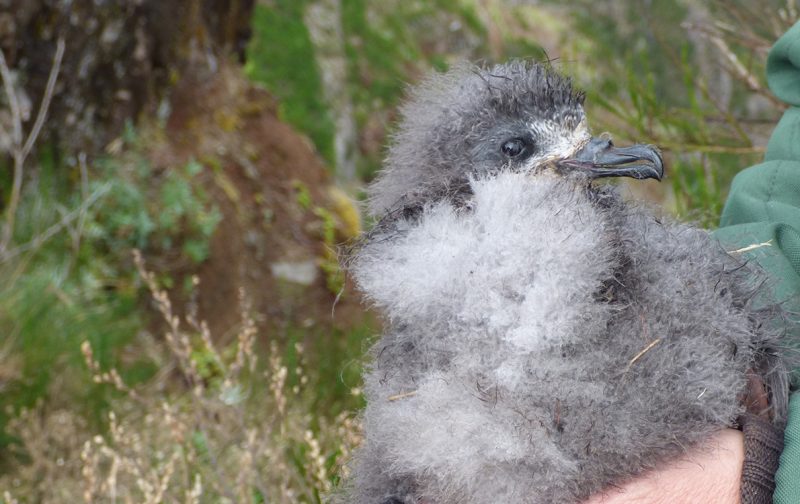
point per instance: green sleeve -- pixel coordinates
(787, 479)
(762, 212)
(762, 215)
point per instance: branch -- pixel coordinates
(48, 96)
(20, 150)
(739, 71)
(48, 233)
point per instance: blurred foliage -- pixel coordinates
(79, 284)
(172, 213)
(121, 56)
(243, 410)
(281, 56)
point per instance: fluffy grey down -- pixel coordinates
(543, 338)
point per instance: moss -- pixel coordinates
(302, 194)
(281, 57)
(329, 261)
(347, 213)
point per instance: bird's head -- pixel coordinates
(472, 122)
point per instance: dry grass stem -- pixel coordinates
(641, 353)
(209, 436)
(754, 246)
(404, 395)
(41, 238)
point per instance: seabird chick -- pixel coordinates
(543, 338)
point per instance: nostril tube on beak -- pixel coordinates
(596, 146)
(600, 158)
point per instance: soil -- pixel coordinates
(269, 184)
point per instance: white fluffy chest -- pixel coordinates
(518, 268)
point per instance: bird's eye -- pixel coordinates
(513, 148)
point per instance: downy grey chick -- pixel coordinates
(543, 338)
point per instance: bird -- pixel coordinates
(543, 336)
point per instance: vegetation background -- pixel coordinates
(175, 177)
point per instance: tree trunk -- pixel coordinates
(121, 56)
(324, 21)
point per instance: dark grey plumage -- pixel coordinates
(544, 339)
(453, 122)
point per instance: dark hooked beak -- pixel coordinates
(599, 158)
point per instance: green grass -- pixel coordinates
(281, 57)
(338, 368)
(79, 284)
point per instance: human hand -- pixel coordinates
(709, 474)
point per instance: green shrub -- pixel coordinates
(70, 276)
